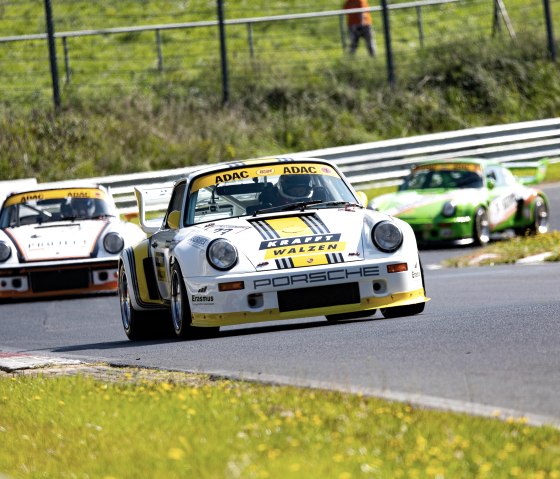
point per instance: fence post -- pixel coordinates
(66, 59)
(549, 30)
(159, 53)
(342, 28)
(223, 52)
(388, 47)
(250, 38)
(52, 54)
(420, 25)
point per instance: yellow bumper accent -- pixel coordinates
(229, 319)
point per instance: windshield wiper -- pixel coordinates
(290, 206)
(329, 204)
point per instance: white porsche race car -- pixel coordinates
(61, 241)
(266, 240)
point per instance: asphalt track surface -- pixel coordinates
(487, 341)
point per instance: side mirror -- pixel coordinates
(490, 183)
(174, 220)
(363, 198)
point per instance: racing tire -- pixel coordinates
(355, 315)
(481, 227)
(181, 312)
(539, 224)
(138, 325)
(401, 311)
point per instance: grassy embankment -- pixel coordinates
(81, 427)
(174, 119)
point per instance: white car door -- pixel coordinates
(163, 241)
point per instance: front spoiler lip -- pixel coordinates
(366, 304)
(21, 268)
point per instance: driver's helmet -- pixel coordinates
(83, 206)
(295, 187)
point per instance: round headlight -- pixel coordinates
(113, 243)
(221, 254)
(449, 209)
(387, 236)
(5, 251)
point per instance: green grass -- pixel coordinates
(67, 427)
(511, 250)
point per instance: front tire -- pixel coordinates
(481, 227)
(181, 312)
(138, 325)
(401, 311)
(539, 224)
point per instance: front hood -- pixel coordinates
(420, 204)
(56, 241)
(298, 240)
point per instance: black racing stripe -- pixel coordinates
(270, 230)
(261, 227)
(311, 225)
(134, 274)
(289, 262)
(316, 224)
(341, 257)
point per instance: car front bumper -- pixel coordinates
(305, 292)
(36, 280)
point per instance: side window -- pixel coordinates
(176, 202)
(493, 174)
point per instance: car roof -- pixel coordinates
(483, 162)
(55, 186)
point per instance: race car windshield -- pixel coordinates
(267, 188)
(38, 210)
(424, 178)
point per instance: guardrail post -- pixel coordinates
(549, 30)
(52, 54)
(159, 52)
(66, 59)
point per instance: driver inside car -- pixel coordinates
(289, 189)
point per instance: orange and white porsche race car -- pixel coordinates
(265, 240)
(61, 241)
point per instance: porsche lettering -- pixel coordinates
(317, 277)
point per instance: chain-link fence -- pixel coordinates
(113, 46)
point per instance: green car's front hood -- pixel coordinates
(423, 203)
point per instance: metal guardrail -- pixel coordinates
(384, 163)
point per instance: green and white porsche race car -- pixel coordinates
(466, 201)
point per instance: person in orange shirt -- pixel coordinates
(359, 26)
